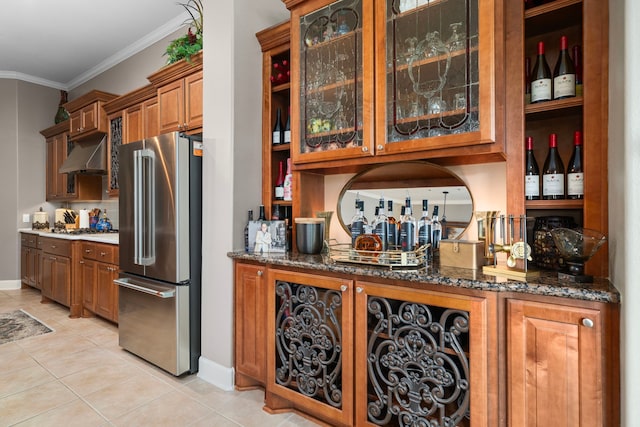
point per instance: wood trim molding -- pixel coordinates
(176, 70)
(275, 36)
(88, 98)
(134, 97)
(57, 129)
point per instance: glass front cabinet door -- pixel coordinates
(435, 76)
(424, 71)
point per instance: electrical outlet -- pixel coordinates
(25, 218)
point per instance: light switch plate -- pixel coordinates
(25, 218)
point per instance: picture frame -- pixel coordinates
(267, 237)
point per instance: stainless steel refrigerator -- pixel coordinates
(160, 250)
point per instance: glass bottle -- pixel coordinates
(261, 216)
(408, 228)
(278, 131)
(531, 173)
(424, 225)
(279, 186)
(527, 80)
(246, 230)
(436, 230)
(577, 65)
(286, 136)
(564, 73)
(553, 172)
(575, 173)
(381, 225)
(541, 78)
(393, 226)
(357, 222)
(288, 182)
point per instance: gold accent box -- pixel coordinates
(462, 253)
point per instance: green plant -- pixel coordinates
(191, 43)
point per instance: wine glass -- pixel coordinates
(456, 41)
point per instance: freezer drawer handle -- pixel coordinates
(160, 294)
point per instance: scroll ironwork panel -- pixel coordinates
(116, 142)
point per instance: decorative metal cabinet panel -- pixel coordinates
(425, 356)
(434, 82)
(310, 346)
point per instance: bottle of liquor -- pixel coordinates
(553, 172)
(527, 80)
(261, 216)
(357, 222)
(286, 137)
(424, 225)
(408, 228)
(275, 212)
(278, 132)
(279, 187)
(541, 78)
(575, 173)
(436, 230)
(577, 65)
(564, 73)
(393, 226)
(246, 230)
(288, 182)
(381, 225)
(531, 173)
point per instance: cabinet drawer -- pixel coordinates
(56, 246)
(100, 252)
(29, 240)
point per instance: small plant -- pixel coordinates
(191, 43)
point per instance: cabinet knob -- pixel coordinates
(380, 147)
(365, 149)
(259, 273)
(53, 246)
(344, 288)
(81, 262)
(103, 253)
(359, 290)
(587, 322)
(87, 251)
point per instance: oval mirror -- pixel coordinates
(418, 180)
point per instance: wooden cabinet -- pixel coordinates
(56, 270)
(30, 258)
(250, 323)
(98, 270)
(115, 140)
(310, 346)
(87, 115)
(558, 369)
(382, 78)
(179, 87)
(422, 355)
(585, 23)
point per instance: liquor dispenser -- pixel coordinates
(486, 232)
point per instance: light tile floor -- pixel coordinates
(79, 376)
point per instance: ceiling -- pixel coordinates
(64, 43)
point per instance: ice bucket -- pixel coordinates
(309, 235)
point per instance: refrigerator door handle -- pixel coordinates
(157, 293)
(144, 213)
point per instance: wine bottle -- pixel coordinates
(393, 226)
(286, 137)
(575, 173)
(577, 65)
(277, 129)
(424, 225)
(564, 73)
(553, 172)
(381, 225)
(288, 183)
(279, 187)
(531, 173)
(261, 216)
(436, 230)
(275, 212)
(408, 228)
(540, 78)
(246, 230)
(527, 80)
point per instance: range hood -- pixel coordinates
(88, 156)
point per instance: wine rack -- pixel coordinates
(584, 22)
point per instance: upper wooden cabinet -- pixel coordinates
(426, 75)
(86, 114)
(585, 23)
(179, 87)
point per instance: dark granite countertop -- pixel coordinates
(601, 290)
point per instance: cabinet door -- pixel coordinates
(420, 356)
(132, 124)
(48, 263)
(193, 101)
(90, 117)
(51, 172)
(39, 268)
(171, 106)
(106, 302)
(75, 123)
(554, 365)
(88, 285)
(113, 163)
(150, 118)
(332, 52)
(24, 264)
(61, 280)
(251, 326)
(434, 79)
(310, 345)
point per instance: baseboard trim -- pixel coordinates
(6, 285)
(216, 374)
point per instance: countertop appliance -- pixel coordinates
(160, 250)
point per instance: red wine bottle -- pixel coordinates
(575, 173)
(564, 73)
(286, 136)
(527, 80)
(553, 172)
(279, 187)
(531, 173)
(540, 78)
(577, 65)
(278, 131)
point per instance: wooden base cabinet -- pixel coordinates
(310, 346)
(98, 270)
(30, 258)
(559, 372)
(250, 326)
